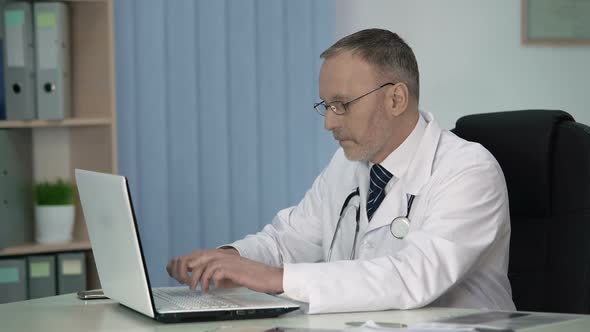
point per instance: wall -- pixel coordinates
(471, 59)
(215, 120)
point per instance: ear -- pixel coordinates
(397, 99)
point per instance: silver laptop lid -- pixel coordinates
(115, 243)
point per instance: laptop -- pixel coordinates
(120, 261)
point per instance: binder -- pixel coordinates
(13, 280)
(16, 183)
(19, 65)
(71, 272)
(52, 60)
(2, 102)
(41, 276)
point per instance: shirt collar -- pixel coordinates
(398, 161)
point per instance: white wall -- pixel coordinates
(471, 59)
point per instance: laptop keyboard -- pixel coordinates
(187, 299)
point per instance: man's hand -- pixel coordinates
(227, 269)
(177, 267)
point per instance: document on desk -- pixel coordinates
(372, 326)
(489, 321)
(498, 321)
(368, 326)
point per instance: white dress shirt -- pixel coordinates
(456, 251)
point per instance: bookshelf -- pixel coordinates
(6, 124)
(88, 139)
(37, 248)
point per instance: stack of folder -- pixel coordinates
(35, 76)
(36, 60)
(34, 84)
(41, 276)
(2, 102)
(16, 183)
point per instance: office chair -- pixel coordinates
(545, 156)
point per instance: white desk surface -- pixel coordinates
(66, 313)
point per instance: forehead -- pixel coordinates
(344, 75)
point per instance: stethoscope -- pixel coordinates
(399, 227)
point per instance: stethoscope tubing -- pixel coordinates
(345, 207)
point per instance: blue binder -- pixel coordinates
(13, 280)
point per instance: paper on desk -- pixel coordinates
(372, 326)
(497, 321)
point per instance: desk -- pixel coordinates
(66, 313)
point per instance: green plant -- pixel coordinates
(57, 192)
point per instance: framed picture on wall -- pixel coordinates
(556, 22)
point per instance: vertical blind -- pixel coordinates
(216, 130)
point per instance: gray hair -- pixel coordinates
(387, 51)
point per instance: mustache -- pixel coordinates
(340, 136)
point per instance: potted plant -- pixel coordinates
(54, 211)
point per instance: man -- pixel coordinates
(347, 246)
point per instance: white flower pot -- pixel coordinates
(54, 223)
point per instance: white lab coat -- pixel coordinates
(455, 254)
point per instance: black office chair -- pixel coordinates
(545, 156)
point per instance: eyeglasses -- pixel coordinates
(339, 107)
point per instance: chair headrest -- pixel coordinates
(571, 171)
(522, 142)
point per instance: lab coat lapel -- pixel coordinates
(395, 204)
(362, 176)
(420, 169)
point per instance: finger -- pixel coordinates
(207, 273)
(197, 265)
(203, 258)
(172, 266)
(197, 272)
(178, 270)
(182, 270)
(169, 267)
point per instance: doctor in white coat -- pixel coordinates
(405, 214)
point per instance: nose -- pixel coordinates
(332, 120)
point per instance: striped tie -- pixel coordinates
(379, 178)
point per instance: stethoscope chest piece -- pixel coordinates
(400, 227)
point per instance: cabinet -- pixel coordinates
(88, 138)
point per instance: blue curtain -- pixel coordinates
(216, 130)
